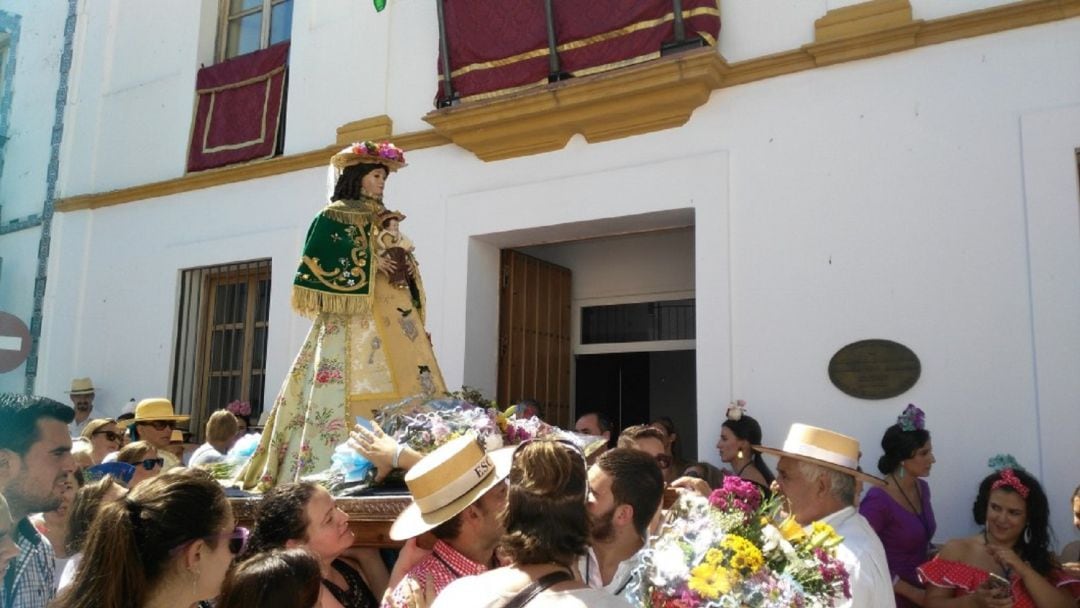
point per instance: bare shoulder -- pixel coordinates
(958, 549)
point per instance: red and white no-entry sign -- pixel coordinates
(14, 342)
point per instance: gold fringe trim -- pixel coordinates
(358, 212)
(356, 217)
(311, 302)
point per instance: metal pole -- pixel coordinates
(680, 28)
(554, 70)
(444, 50)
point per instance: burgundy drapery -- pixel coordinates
(238, 108)
(497, 47)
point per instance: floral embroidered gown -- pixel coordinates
(367, 346)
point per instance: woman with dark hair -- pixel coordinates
(1009, 563)
(737, 436)
(167, 543)
(281, 578)
(900, 512)
(547, 530)
(367, 346)
(671, 447)
(305, 515)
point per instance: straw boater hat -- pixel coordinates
(824, 448)
(81, 386)
(370, 152)
(155, 408)
(446, 481)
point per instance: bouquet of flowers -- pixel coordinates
(724, 551)
(425, 425)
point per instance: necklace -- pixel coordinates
(743, 468)
(910, 503)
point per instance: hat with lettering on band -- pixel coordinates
(824, 448)
(448, 480)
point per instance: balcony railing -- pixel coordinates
(490, 47)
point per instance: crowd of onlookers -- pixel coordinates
(116, 512)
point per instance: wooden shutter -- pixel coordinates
(534, 335)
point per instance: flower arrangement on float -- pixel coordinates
(424, 424)
(724, 552)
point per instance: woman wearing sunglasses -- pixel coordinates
(167, 543)
(104, 437)
(144, 457)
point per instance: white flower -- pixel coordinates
(493, 441)
(669, 564)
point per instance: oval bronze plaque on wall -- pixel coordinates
(874, 369)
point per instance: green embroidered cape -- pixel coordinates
(336, 273)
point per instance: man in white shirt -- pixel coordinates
(82, 399)
(816, 475)
(625, 491)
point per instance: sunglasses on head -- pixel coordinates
(237, 539)
(150, 463)
(161, 425)
(110, 435)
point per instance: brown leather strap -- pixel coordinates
(527, 594)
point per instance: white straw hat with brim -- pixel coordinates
(448, 480)
(155, 408)
(81, 386)
(824, 448)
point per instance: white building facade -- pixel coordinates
(35, 57)
(897, 170)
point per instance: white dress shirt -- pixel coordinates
(864, 558)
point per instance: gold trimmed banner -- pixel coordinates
(592, 38)
(238, 109)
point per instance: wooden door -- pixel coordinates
(534, 335)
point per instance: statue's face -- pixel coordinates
(373, 183)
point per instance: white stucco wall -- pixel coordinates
(32, 87)
(885, 198)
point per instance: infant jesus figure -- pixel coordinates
(396, 247)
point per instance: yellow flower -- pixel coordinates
(823, 535)
(714, 557)
(710, 582)
(744, 555)
(791, 530)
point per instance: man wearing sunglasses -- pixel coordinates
(153, 423)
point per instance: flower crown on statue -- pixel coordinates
(735, 410)
(371, 152)
(911, 419)
(239, 408)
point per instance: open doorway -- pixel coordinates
(638, 387)
(632, 333)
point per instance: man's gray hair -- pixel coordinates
(841, 485)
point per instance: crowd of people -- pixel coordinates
(538, 523)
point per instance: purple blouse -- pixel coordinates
(905, 535)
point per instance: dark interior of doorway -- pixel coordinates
(637, 387)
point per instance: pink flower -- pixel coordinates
(322, 377)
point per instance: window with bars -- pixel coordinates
(638, 322)
(221, 339)
(250, 25)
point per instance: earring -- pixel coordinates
(194, 581)
(902, 472)
(739, 454)
(1027, 534)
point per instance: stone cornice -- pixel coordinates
(647, 97)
